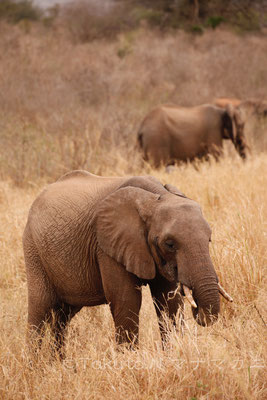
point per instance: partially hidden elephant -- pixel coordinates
(224, 101)
(92, 240)
(249, 107)
(170, 134)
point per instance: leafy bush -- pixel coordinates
(215, 21)
(197, 29)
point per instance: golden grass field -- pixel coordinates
(64, 106)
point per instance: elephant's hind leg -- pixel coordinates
(43, 303)
(41, 297)
(60, 317)
(57, 318)
(45, 309)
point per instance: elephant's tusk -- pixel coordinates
(224, 293)
(189, 296)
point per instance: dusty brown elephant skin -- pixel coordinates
(93, 240)
(170, 133)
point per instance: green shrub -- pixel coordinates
(197, 29)
(214, 21)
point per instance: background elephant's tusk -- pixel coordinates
(189, 296)
(224, 293)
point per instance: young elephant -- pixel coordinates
(92, 240)
(170, 133)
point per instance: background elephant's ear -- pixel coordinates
(239, 116)
(228, 131)
(172, 189)
(121, 229)
(233, 128)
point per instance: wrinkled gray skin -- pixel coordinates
(170, 133)
(92, 240)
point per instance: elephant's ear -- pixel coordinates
(228, 128)
(172, 189)
(121, 229)
(236, 128)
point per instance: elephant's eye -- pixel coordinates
(170, 245)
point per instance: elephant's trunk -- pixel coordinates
(207, 298)
(204, 285)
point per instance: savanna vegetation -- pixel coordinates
(66, 103)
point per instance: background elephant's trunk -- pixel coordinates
(241, 146)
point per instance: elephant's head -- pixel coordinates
(152, 234)
(233, 123)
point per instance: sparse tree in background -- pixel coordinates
(91, 19)
(196, 10)
(245, 14)
(15, 11)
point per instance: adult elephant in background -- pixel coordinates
(92, 240)
(170, 133)
(223, 102)
(250, 107)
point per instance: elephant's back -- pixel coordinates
(185, 118)
(79, 173)
(86, 180)
(170, 119)
(64, 202)
(80, 185)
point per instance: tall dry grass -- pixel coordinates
(66, 106)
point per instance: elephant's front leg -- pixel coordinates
(167, 301)
(123, 293)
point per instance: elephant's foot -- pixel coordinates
(127, 339)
